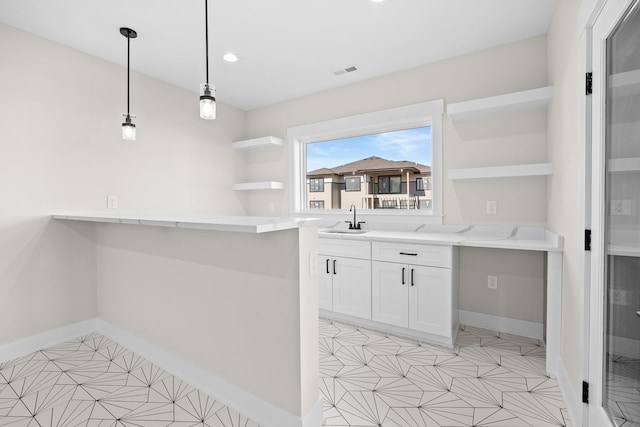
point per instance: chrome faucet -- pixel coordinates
(355, 225)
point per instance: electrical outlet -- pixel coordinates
(492, 207)
(313, 263)
(271, 207)
(492, 282)
(621, 207)
(618, 297)
(112, 202)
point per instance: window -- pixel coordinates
(419, 184)
(390, 184)
(316, 185)
(384, 148)
(352, 184)
(316, 204)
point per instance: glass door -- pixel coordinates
(621, 309)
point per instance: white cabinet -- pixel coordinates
(413, 287)
(409, 289)
(345, 277)
(430, 301)
(412, 296)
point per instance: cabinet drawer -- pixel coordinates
(345, 248)
(431, 255)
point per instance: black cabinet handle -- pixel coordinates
(408, 254)
(412, 284)
(334, 267)
(327, 265)
(403, 269)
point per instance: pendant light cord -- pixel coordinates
(128, 68)
(206, 35)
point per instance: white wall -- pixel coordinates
(225, 302)
(61, 151)
(513, 138)
(566, 188)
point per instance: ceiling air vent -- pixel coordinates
(345, 70)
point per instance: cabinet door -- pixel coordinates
(390, 293)
(430, 303)
(352, 286)
(325, 283)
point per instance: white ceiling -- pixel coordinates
(286, 48)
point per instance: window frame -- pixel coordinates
(388, 179)
(421, 186)
(393, 119)
(316, 191)
(316, 201)
(358, 179)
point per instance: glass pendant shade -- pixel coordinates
(128, 128)
(207, 101)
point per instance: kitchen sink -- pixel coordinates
(345, 231)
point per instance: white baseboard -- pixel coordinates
(574, 404)
(247, 404)
(502, 324)
(43, 340)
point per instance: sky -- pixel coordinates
(413, 145)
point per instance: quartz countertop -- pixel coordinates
(244, 224)
(501, 237)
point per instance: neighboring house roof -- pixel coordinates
(373, 164)
(321, 172)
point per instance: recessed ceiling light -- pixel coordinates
(377, 1)
(230, 57)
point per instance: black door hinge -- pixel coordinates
(585, 392)
(587, 240)
(589, 84)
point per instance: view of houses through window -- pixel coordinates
(389, 170)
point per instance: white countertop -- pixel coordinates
(244, 224)
(502, 237)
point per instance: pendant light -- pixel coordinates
(207, 91)
(128, 127)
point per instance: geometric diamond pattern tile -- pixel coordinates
(373, 378)
(94, 382)
(622, 390)
(367, 378)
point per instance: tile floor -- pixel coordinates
(622, 391)
(370, 378)
(367, 378)
(94, 382)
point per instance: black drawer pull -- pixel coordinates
(408, 253)
(334, 267)
(412, 284)
(327, 265)
(403, 269)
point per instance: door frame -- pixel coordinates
(603, 19)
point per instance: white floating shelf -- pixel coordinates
(631, 164)
(537, 169)
(256, 143)
(511, 102)
(267, 185)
